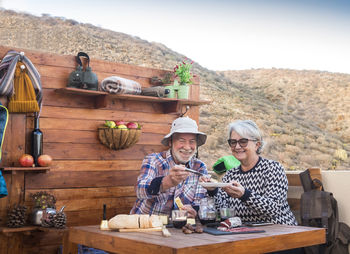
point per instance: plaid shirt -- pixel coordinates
(158, 165)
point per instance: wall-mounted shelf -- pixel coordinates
(170, 105)
(28, 169)
(9, 231)
(28, 229)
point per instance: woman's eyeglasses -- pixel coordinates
(243, 142)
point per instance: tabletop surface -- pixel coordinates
(275, 237)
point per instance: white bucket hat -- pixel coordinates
(185, 125)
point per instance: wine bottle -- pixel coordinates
(37, 141)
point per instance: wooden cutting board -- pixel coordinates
(139, 229)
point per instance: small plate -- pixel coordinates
(214, 185)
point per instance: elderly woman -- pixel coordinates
(259, 186)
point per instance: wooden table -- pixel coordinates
(276, 237)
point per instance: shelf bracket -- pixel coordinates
(101, 101)
(171, 107)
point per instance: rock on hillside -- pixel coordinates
(304, 123)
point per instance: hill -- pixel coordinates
(304, 114)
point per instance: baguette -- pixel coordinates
(124, 221)
(134, 221)
(155, 221)
(144, 221)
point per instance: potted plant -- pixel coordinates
(184, 76)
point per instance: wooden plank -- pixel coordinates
(294, 204)
(68, 247)
(102, 115)
(68, 61)
(293, 179)
(78, 180)
(3, 243)
(93, 217)
(85, 193)
(91, 137)
(65, 151)
(94, 165)
(14, 141)
(5, 230)
(94, 204)
(52, 98)
(54, 123)
(157, 229)
(276, 237)
(64, 72)
(9, 169)
(15, 244)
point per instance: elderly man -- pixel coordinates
(164, 177)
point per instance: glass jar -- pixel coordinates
(207, 212)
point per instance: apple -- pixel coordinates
(122, 126)
(44, 160)
(26, 160)
(110, 124)
(132, 125)
(120, 122)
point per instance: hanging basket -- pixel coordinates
(117, 139)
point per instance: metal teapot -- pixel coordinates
(37, 214)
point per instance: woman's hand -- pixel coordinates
(236, 190)
(191, 213)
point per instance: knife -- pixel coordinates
(194, 171)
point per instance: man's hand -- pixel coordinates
(177, 174)
(236, 190)
(191, 213)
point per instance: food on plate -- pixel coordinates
(165, 232)
(189, 229)
(178, 202)
(230, 223)
(134, 221)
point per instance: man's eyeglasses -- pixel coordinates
(243, 142)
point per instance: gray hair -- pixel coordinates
(247, 129)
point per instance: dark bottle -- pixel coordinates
(37, 141)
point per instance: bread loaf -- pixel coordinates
(124, 221)
(134, 221)
(155, 221)
(144, 221)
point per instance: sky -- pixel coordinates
(223, 34)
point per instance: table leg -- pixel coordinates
(69, 247)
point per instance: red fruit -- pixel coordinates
(120, 122)
(132, 125)
(44, 160)
(26, 160)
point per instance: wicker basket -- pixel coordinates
(118, 138)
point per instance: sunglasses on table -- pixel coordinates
(243, 142)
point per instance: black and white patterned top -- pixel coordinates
(265, 197)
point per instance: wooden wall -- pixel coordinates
(85, 174)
